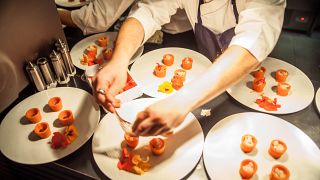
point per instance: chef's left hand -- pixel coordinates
(159, 118)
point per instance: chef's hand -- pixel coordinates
(159, 118)
(107, 83)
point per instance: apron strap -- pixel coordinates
(199, 13)
(234, 7)
(235, 11)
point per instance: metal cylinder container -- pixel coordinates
(64, 50)
(36, 76)
(46, 72)
(59, 68)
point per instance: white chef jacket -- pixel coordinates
(99, 15)
(258, 29)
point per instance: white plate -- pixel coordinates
(17, 142)
(77, 50)
(75, 3)
(317, 100)
(299, 97)
(222, 154)
(182, 153)
(142, 68)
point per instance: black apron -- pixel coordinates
(208, 43)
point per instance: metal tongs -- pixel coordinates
(125, 125)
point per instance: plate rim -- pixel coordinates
(114, 34)
(277, 112)
(67, 154)
(231, 117)
(138, 177)
(134, 64)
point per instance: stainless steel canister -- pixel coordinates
(46, 72)
(64, 50)
(36, 76)
(59, 68)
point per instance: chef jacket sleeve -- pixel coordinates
(153, 14)
(99, 15)
(259, 26)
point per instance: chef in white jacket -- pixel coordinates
(99, 15)
(237, 35)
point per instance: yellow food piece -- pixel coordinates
(137, 170)
(145, 166)
(165, 87)
(136, 159)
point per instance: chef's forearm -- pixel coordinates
(128, 41)
(65, 17)
(228, 69)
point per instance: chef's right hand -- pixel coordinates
(107, 83)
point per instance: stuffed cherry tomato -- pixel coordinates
(259, 73)
(187, 63)
(157, 146)
(283, 89)
(248, 143)
(103, 41)
(168, 59)
(277, 148)
(281, 75)
(248, 168)
(279, 172)
(132, 141)
(160, 70)
(258, 84)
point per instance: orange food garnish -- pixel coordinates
(91, 51)
(103, 41)
(160, 70)
(187, 63)
(157, 146)
(107, 54)
(55, 104)
(277, 148)
(33, 115)
(279, 172)
(248, 143)
(176, 83)
(268, 104)
(259, 73)
(168, 59)
(180, 74)
(281, 75)
(132, 141)
(248, 168)
(66, 117)
(71, 133)
(283, 89)
(42, 130)
(258, 84)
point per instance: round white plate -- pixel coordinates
(77, 50)
(20, 144)
(299, 97)
(222, 154)
(317, 100)
(142, 68)
(75, 3)
(182, 153)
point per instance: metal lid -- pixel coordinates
(42, 61)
